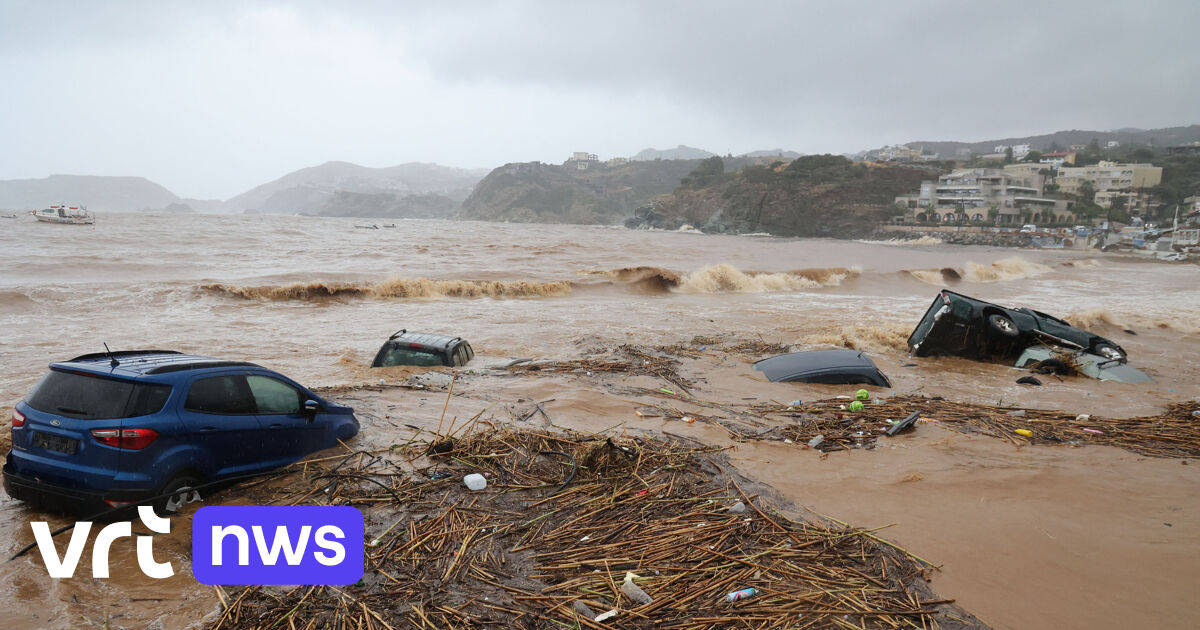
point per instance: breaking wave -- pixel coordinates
(395, 288)
(1013, 268)
(936, 277)
(1086, 263)
(1094, 318)
(15, 301)
(730, 279)
(726, 278)
(881, 338)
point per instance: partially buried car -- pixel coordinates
(112, 429)
(423, 349)
(963, 326)
(828, 367)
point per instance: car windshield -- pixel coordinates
(93, 397)
(409, 356)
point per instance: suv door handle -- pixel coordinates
(276, 425)
(207, 429)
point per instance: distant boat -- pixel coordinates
(73, 215)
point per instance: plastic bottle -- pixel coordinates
(634, 592)
(745, 593)
(815, 442)
(475, 481)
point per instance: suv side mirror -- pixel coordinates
(311, 409)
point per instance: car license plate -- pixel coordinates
(55, 443)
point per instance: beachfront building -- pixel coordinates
(582, 159)
(1108, 176)
(1135, 202)
(993, 195)
(1057, 159)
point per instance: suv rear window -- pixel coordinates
(90, 397)
(403, 355)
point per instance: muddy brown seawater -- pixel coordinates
(1030, 537)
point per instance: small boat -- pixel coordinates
(73, 215)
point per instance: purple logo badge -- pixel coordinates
(277, 545)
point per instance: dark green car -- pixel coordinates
(963, 326)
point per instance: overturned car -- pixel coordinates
(963, 326)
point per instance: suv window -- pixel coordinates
(93, 397)
(403, 355)
(273, 396)
(227, 395)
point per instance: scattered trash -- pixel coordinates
(862, 394)
(475, 481)
(688, 419)
(856, 406)
(1196, 414)
(903, 424)
(745, 593)
(1083, 417)
(606, 616)
(666, 391)
(737, 508)
(815, 442)
(633, 591)
(1019, 413)
(796, 403)
(1029, 380)
(1024, 433)
(1096, 431)
(583, 609)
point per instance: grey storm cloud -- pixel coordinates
(212, 98)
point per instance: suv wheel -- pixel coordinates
(181, 493)
(1002, 325)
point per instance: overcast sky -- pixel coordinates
(212, 98)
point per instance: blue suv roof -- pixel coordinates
(136, 363)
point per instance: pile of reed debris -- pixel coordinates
(564, 518)
(1173, 433)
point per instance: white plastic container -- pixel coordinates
(475, 481)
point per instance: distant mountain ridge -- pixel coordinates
(97, 192)
(680, 152)
(1163, 137)
(309, 190)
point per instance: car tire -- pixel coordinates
(1108, 352)
(1002, 326)
(181, 489)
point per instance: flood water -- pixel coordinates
(315, 297)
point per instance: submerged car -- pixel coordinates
(1060, 361)
(111, 429)
(963, 326)
(828, 367)
(423, 349)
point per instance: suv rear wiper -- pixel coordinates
(70, 410)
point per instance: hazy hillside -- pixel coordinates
(1165, 137)
(816, 195)
(387, 205)
(533, 192)
(776, 153)
(98, 193)
(309, 189)
(680, 152)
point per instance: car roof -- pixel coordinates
(428, 340)
(138, 363)
(813, 361)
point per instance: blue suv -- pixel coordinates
(109, 429)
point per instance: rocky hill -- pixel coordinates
(533, 192)
(311, 190)
(98, 193)
(816, 195)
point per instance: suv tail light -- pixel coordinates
(18, 419)
(131, 439)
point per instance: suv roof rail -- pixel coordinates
(120, 353)
(196, 365)
(398, 333)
